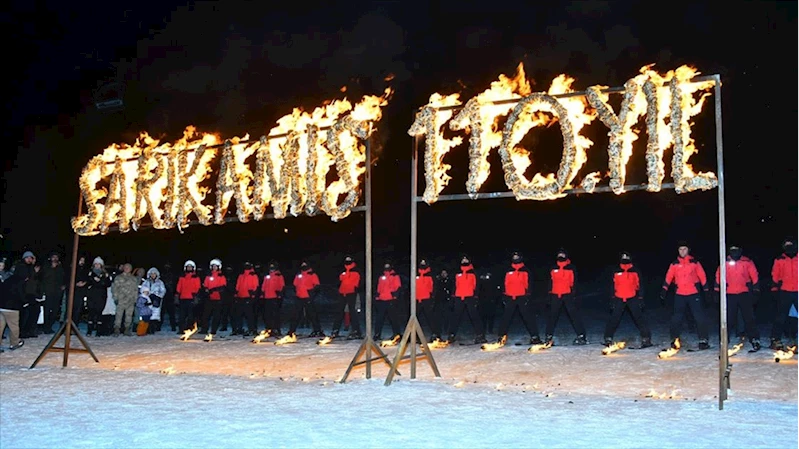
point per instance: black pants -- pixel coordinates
(225, 312)
(270, 312)
(212, 311)
(52, 308)
(694, 303)
(168, 308)
(443, 311)
(186, 309)
(488, 312)
(635, 307)
(242, 308)
(781, 320)
(390, 308)
(745, 303)
(94, 319)
(468, 304)
(572, 308)
(348, 301)
(525, 309)
(304, 305)
(428, 309)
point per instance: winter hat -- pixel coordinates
(562, 251)
(153, 270)
(516, 256)
(682, 243)
(27, 254)
(98, 260)
(144, 289)
(625, 256)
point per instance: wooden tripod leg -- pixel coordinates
(361, 350)
(49, 345)
(426, 351)
(83, 341)
(401, 351)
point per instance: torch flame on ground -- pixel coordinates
(209, 337)
(438, 343)
(734, 350)
(393, 342)
(786, 354)
(540, 346)
(495, 346)
(188, 333)
(655, 395)
(614, 347)
(290, 338)
(262, 336)
(675, 348)
(325, 341)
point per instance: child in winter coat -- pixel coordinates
(144, 311)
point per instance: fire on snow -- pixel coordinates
(165, 180)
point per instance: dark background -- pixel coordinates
(236, 67)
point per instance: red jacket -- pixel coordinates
(465, 283)
(741, 276)
(517, 281)
(687, 273)
(562, 278)
(387, 286)
(246, 283)
(188, 286)
(783, 273)
(304, 282)
(350, 280)
(215, 282)
(273, 285)
(626, 282)
(424, 285)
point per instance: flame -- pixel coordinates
(429, 121)
(188, 333)
(786, 354)
(263, 335)
(290, 338)
(325, 340)
(235, 178)
(481, 117)
(496, 345)
(540, 347)
(666, 353)
(393, 342)
(209, 337)
(169, 370)
(614, 347)
(734, 350)
(438, 343)
(655, 395)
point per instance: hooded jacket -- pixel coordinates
(626, 281)
(388, 286)
(273, 285)
(305, 283)
(517, 280)
(188, 286)
(349, 280)
(784, 273)
(465, 283)
(247, 284)
(687, 273)
(562, 278)
(157, 286)
(424, 285)
(741, 276)
(215, 282)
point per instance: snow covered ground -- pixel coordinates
(156, 391)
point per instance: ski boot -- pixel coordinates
(608, 341)
(480, 339)
(776, 344)
(334, 334)
(755, 345)
(434, 337)
(115, 334)
(580, 340)
(535, 340)
(354, 335)
(646, 342)
(548, 339)
(703, 344)
(451, 338)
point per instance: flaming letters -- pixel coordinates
(658, 97)
(167, 181)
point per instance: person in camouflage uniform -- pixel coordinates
(125, 290)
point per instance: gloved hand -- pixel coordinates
(662, 295)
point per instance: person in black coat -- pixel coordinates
(97, 293)
(26, 288)
(54, 282)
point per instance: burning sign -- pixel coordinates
(166, 180)
(659, 98)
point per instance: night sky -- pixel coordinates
(236, 67)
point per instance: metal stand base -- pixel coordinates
(73, 329)
(366, 349)
(412, 331)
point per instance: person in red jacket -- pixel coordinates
(517, 299)
(271, 299)
(186, 292)
(742, 286)
(628, 294)
(388, 286)
(562, 282)
(213, 285)
(306, 287)
(348, 291)
(425, 294)
(247, 293)
(784, 277)
(687, 274)
(465, 299)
